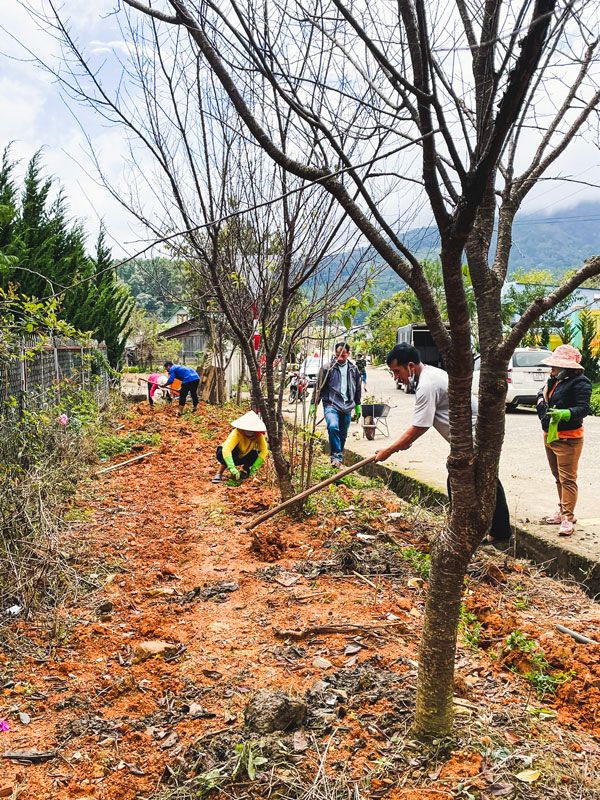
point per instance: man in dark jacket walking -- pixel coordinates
(339, 386)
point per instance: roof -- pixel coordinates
(192, 325)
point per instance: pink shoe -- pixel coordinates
(555, 519)
(566, 528)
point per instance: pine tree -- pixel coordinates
(8, 205)
(114, 304)
(43, 253)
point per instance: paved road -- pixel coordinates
(524, 470)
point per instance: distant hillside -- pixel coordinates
(554, 242)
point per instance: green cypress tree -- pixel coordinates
(8, 206)
(114, 304)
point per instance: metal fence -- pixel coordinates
(38, 371)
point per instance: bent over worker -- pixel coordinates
(190, 380)
(432, 410)
(339, 386)
(245, 450)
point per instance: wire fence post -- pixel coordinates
(22, 378)
(56, 368)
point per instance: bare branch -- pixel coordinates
(151, 12)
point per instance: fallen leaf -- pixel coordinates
(352, 649)
(529, 775)
(286, 579)
(500, 789)
(24, 717)
(300, 742)
(321, 663)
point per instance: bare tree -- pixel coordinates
(459, 107)
(273, 272)
(267, 252)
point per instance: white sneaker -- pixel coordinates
(566, 528)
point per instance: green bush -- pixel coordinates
(111, 444)
(41, 462)
(595, 401)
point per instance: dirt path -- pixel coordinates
(165, 560)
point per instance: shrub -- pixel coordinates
(595, 401)
(41, 462)
(111, 444)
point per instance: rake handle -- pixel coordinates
(306, 493)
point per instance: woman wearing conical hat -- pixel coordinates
(245, 449)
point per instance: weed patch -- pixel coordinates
(470, 627)
(534, 667)
(112, 444)
(416, 559)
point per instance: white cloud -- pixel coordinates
(98, 48)
(33, 114)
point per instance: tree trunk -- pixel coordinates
(473, 484)
(451, 552)
(266, 406)
(435, 686)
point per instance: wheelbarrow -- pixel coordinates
(374, 419)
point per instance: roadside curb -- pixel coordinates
(533, 543)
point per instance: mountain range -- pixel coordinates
(554, 242)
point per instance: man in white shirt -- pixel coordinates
(432, 410)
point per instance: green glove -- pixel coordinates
(231, 466)
(256, 466)
(311, 410)
(357, 412)
(557, 415)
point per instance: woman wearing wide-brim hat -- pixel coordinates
(245, 447)
(561, 405)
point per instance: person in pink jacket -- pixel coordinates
(155, 381)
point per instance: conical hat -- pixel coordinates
(250, 422)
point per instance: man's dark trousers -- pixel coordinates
(500, 528)
(191, 388)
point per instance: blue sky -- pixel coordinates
(33, 115)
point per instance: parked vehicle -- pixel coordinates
(525, 376)
(419, 335)
(310, 368)
(298, 387)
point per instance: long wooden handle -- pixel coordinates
(124, 463)
(296, 499)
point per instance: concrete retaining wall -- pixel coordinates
(536, 545)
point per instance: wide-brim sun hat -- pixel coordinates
(250, 422)
(565, 356)
(162, 380)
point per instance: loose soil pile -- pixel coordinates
(146, 685)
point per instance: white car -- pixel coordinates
(310, 367)
(526, 376)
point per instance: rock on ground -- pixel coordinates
(274, 711)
